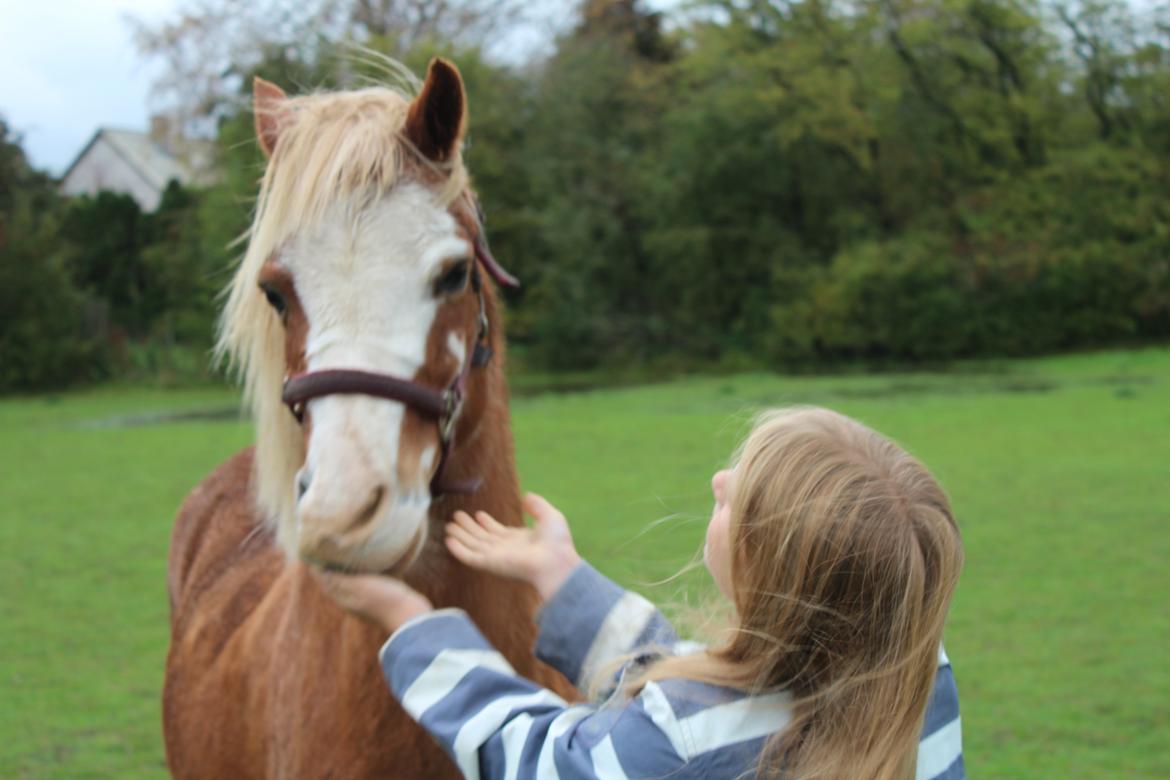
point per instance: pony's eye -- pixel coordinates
(275, 299)
(453, 279)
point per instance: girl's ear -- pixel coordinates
(267, 107)
(438, 114)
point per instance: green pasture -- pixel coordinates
(1059, 470)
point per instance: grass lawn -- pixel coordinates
(1059, 470)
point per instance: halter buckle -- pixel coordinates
(452, 402)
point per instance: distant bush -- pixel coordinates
(901, 299)
(92, 287)
(47, 327)
(1075, 255)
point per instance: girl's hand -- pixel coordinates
(384, 601)
(543, 556)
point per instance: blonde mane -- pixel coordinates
(339, 149)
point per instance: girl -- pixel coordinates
(839, 554)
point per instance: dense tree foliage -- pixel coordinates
(818, 180)
(91, 287)
(780, 182)
(46, 334)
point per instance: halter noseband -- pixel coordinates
(441, 406)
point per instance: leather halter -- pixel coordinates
(442, 406)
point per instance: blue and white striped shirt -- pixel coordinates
(495, 723)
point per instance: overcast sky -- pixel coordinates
(69, 66)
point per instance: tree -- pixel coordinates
(593, 132)
(47, 327)
(104, 235)
(209, 46)
(806, 179)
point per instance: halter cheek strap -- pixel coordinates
(484, 255)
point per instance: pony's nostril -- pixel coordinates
(302, 485)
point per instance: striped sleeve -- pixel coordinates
(591, 621)
(494, 723)
(940, 750)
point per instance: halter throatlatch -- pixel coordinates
(442, 406)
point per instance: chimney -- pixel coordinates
(160, 131)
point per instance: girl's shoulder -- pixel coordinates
(701, 718)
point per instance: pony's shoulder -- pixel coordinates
(217, 527)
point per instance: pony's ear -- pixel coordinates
(438, 114)
(267, 100)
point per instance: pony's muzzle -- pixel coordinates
(333, 531)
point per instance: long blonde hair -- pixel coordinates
(845, 555)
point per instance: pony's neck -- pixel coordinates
(503, 609)
(483, 450)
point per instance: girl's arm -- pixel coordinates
(587, 622)
(494, 723)
(940, 748)
(591, 622)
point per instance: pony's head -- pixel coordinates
(361, 257)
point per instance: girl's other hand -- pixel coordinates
(384, 601)
(543, 555)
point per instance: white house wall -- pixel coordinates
(103, 168)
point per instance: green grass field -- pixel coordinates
(1059, 470)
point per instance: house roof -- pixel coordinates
(145, 157)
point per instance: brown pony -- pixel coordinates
(365, 259)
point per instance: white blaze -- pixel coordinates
(366, 287)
